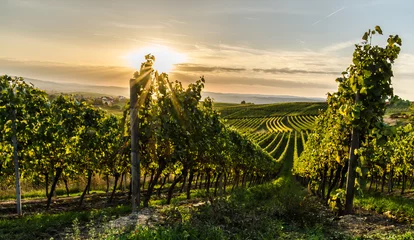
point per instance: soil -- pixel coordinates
(390, 121)
(366, 223)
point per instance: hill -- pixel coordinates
(269, 110)
(257, 98)
(55, 87)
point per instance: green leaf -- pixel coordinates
(367, 73)
(397, 40)
(359, 171)
(363, 91)
(378, 29)
(365, 37)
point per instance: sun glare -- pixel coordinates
(165, 58)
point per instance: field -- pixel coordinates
(280, 129)
(269, 110)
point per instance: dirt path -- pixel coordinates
(114, 228)
(367, 223)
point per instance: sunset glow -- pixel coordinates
(165, 58)
(239, 46)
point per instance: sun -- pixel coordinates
(165, 58)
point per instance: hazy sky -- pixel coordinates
(291, 47)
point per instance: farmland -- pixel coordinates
(189, 168)
(280, 129)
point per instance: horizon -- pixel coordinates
(266, 48)
(218, 97)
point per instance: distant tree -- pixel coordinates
(97, 101)
(396, 101)
(243, 102)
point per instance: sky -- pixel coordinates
(289, 47)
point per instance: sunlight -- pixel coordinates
(165, 58)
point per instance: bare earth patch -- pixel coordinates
(145, 217)
(365, 223)
(390, 121)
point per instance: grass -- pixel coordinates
(277, 210)
(219, 105)
(41, 226)
(392, 110)
(46, 225)
(400, 207)
(391, 236)
(38, 194)
(196, 193)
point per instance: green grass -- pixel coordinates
(277, 210)
(399, 206)
(409, 235)
(44, 226)
(37, 194)
(392, 110)
(219, 105)
(196, 193)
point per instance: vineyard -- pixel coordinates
(195, 169)
(64, 142)
(279, 129)
(270, 110)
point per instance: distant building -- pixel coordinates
(109, 101)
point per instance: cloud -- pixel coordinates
(241, 55)
(279, 83)
(254, 81)
(236, 68)
(136, 26)
(173, 22)
(301, 41)
(292, 71)
(318, 64)
(205, 68)
(119, 76)
(328, 16)
(262, 10)
(252, 18)
(341, 45)
(176, 21)
(59, 72)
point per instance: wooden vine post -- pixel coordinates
(135, 90)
